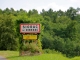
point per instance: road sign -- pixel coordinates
(29, 37)
(30, 28)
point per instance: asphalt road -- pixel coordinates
(2, 58)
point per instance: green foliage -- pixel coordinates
(72, 13)
(59, 30)
(25, 46)
(14, 55)
(63, 33)
(32, 47)
(50, 51)
(7, 33)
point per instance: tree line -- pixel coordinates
(59, 29)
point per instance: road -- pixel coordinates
(2, 58)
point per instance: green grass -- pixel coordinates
(14, 55)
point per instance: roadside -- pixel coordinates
(2, 58)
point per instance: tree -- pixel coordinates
(7, 33)
(72, 13)
(60, 13)
(71, 30)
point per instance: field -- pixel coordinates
(14, 55)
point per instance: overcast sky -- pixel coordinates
(39, 4)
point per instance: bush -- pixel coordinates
(25, 46)
(32, 47)
(49, 51)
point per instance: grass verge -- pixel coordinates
(14, 55)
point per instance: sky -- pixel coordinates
(39, 4)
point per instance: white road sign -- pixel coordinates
(30, 28)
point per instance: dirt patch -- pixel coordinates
(28, 53)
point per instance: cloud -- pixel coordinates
(41, 4)
(62, 5)
(53, 6)
(74, 1)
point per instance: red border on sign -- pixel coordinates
(29, 24)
